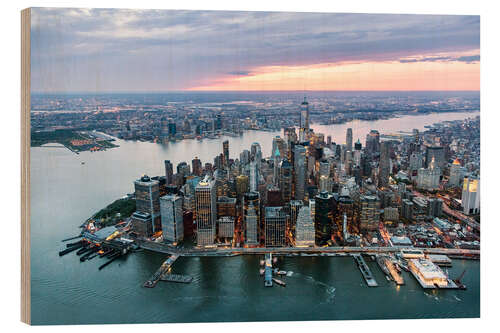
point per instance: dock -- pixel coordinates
(161, 272)
(365, 271)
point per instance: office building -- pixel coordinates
(197, 167)
(391, 214)
(251, 218)
(254, 176)
(372, 144)
(286, 180)
(457, 173)
(206, 211)
(304, 234)
(172, 223)
(437, 153)
(226, 206)
(348, 139)
(369, 213)
(147, 199)
(225, 227)
(225, 153)
(242, 185)
(470, 196)
(428, 179)
(295, 206)
(275, 226)
(169, 172)
(434, 207)
(407, 209)
(323, 218)
(385, 164)
(141, 224)
(300, 172)
(304, 120)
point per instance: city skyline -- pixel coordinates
(119, 50)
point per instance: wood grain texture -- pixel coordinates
(25, 165)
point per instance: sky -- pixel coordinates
(119, 50)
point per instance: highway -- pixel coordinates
(213, 252)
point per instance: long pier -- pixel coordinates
(365, 271)
(161, 272)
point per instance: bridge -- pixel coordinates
(227, 251)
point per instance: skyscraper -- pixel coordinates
(242, 185)
(323, 218)
(457, 173)
(369, 212)
(286, 177)
(304, 115)
(225, 153)
(470, 196)
(294, 211)
(256, 153)
(428, 179)
(300, 172)
(172, 218)
(147, 199)
(251, 217)
(372, 145)
(169, 172)
(276, 167)
(197, 167)
(305, 228)
(275, 226)
(385, 164)
(348, 140)
(206, 209)
(254, 176)
(436, 152)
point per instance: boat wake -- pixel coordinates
(330, 290)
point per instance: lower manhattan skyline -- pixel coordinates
(261, 166)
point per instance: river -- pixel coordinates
(65, 192)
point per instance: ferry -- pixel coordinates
(279, 282)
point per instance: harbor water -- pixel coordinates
(65, 192)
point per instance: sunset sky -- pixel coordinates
(113, 50)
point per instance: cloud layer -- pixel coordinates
(157, 50)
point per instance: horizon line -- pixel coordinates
(233, 91)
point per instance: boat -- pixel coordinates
(261, 271)
(281, 272)
(279, 282)
(262, 262)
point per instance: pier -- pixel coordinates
(161, 272)
(268, 274)
(388, 267)
(365, 271)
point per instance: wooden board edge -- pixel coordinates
(25, 165)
